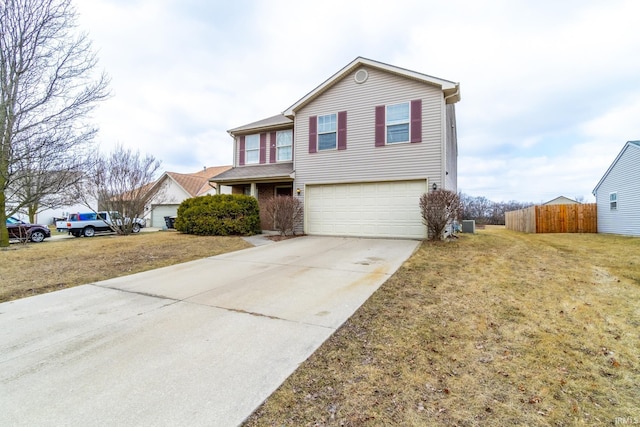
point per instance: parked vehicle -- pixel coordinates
(20, 230)
(90, 223)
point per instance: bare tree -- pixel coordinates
(123, 182)
(47, 90)
(485, 211)
(36, 188)
(285, 212)
(438, 208)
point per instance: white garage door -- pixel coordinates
(381, 209)
(160, 211)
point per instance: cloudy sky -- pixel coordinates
(550, 89)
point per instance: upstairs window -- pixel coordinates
(397, 123)
(327, 127)
(613, 201)
(284, 145)
(252, 149)
(328, 132)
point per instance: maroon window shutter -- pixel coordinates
(263, 148)
(241, 159)
(272, 149)
(380, 126)
(313, 134)
(416, 120)
(342, 130)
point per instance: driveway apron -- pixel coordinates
(202, 343)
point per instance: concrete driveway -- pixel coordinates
(200, 344)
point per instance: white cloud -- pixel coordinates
(547, 88)
(619, 123)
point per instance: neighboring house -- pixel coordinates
(359, 150)
(561, 200)
(46, 214)
(618, 193)
(172, 188)
(49, 216)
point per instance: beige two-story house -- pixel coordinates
(359, 150)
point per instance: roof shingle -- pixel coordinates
(248, 173)
(197, 183)
(271, 122)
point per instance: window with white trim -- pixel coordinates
(397, 123)
(613, 201)
(327, 137)
(284, 145)
(252, 149)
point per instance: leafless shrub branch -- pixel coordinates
(438, 209)
(285, 212)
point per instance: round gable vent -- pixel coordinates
(361, 76)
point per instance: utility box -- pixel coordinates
(468, 226)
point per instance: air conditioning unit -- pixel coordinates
(468, 226)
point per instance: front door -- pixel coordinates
(267, 192)
(284, 191)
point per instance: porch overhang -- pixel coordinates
(279, 172)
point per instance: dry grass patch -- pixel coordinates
(495, 329)
(56, 264)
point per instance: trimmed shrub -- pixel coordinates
(219, 215)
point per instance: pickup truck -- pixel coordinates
(88, 224)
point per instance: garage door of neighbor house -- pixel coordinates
(380, 209)
(160, 211)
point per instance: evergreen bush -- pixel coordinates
(219, 215)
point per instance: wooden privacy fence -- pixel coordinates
(578, 218)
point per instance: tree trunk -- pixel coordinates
(4, 233)
(32, 210)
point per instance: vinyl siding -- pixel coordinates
(362, 161)
(623, 178)
(269, 141)
(170, 193)
(451, 169)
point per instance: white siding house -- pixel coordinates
(49, 216)
(618, 193)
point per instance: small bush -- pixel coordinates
(438, 208)
(285, 212)
(219, 215)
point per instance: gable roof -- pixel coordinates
(561, 200)
(450, 89)
(634, 144)
(277, 121)
(197, 183)
(194, 184)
